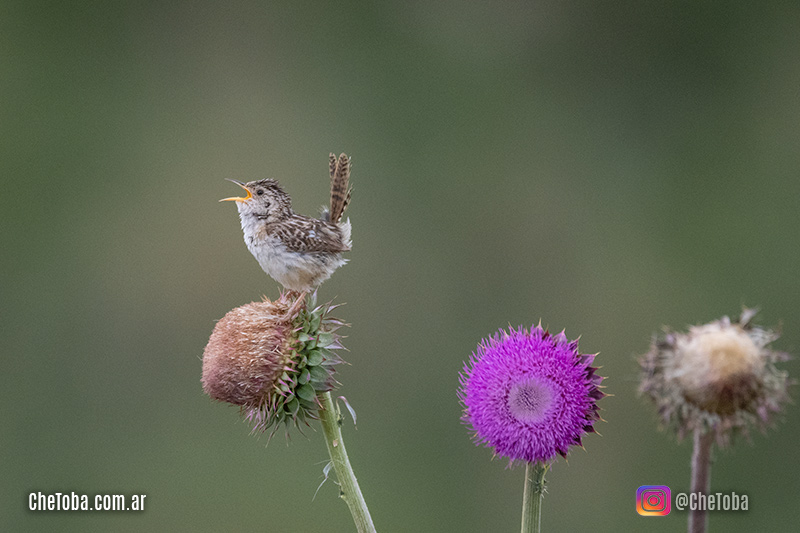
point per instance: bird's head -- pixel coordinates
(265, 199)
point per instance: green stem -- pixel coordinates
(701, 476)
(532, 497)
(349, 491)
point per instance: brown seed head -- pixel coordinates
(272, 359)
(718, 367)
(247, 351)
(720, 376)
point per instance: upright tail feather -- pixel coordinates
(340, 189)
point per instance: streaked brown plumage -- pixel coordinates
(299, 252)
(340, 190)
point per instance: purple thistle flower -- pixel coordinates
(530, 395)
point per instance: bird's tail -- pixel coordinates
(340, 188)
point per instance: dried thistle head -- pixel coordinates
(719, 377)
(272, 362)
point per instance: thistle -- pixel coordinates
(272, 361)
(719, 377)
(530, 396)
(716, 381)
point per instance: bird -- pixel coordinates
(297, 251)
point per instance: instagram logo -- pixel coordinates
(653, 500)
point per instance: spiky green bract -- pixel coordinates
(309, 370)
(719, 377)
(272, 361)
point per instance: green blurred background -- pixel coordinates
(608, 169)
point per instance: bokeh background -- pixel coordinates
(607, 169)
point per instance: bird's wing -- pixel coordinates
(310, 235)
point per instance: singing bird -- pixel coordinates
(297, 251)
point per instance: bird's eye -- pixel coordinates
(260, 192)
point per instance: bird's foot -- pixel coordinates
(298, 304)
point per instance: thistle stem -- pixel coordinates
(532, 497)
(701, 477)
(331, 419)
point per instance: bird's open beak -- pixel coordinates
(238, 198)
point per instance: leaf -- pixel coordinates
(318, 373)
(307, 404)
(326, 353)
(321, 386)
(325, 472)
(350, 409)
(315, 357)
(315, 323)
(325, 339)
(293, 406)
(306, 392)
